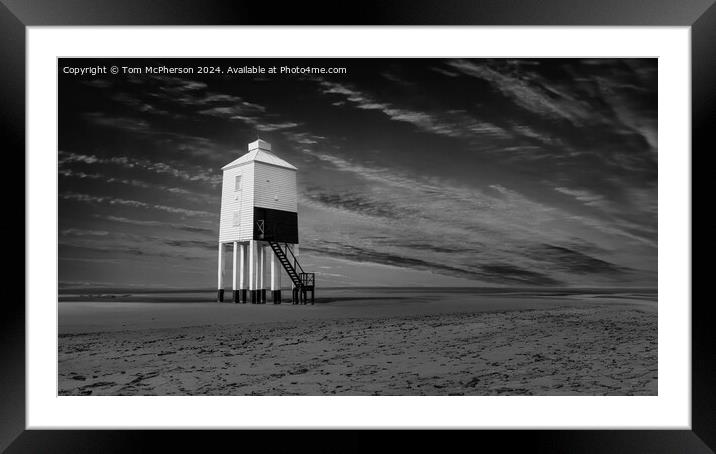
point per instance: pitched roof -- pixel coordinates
(260, 151)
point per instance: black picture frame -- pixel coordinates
(16, 15)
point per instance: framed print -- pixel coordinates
(475, 217)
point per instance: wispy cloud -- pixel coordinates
(179, 142)
(193, 173)
(588, 198)
(177, 85)
(540, 136)
(573, 261)
(530, 91)
(125, 123)
(496, 224)
(615, 98)
(193, 95)
(232, 112)
(444, 71)
(494, 273)
(162, 224)
(200, 197)
(251, 115)
(303, 138)
(451, 123)
(354, 202)
(137, 104)
(83, 232)
(632, 116)
(119, 249)
(87, 198)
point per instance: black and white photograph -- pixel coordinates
(357, 226)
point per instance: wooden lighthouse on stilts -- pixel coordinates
(259, 225)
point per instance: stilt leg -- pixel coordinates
(260, 252)
(275, 279)
(220, 284)
(252, 271)
(235, 272)
(242, 273)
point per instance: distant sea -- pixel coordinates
(329, 294)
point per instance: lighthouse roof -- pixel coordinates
(260, 151)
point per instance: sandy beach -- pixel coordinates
(359, 342)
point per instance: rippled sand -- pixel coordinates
(438, 345)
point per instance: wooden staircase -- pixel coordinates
(302, 282)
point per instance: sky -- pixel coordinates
(411, 172)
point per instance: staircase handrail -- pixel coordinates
(295, 260)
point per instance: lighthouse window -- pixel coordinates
(237, 184)
(237, 219)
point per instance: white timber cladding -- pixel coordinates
(237, 205)
(275, 187)
(257, 179)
